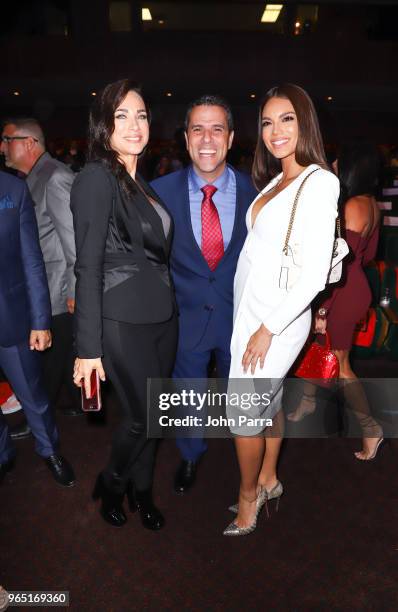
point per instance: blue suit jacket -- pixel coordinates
(24, 297)
(202, 294)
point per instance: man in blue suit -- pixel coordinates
(25, 317)
(208, 201)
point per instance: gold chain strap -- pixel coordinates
(292, 215)
(338, 227)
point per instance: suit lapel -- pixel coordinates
(238, 214)
(151, 219)
(182, 205)
(158, 227)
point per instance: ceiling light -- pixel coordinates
(16, 93)
(271, 13)
(297, 24)
(252, 95)
(169, 94)
(93, 93)
(146, 14)
(329, 98)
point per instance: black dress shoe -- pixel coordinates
(111, 503)
(151, 517)
(71, 410)
(185, 476)
(61, 470)
(6, 467)
(21, 431)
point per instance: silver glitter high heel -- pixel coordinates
(275, 493)
(234, 530)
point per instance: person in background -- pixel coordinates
(341, 306)
(49, 182)
(163, 166)
(25, 319)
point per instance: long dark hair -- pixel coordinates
(101, 128)
(309, 148)
(359, 167)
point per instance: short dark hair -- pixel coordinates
(309, 148)
(102, 125)
(210, 100)
(28, 124)
(359, 167)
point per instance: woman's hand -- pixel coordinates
(320, 324)
(82, 372)
(257, 349)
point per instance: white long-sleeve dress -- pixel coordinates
(258, 297)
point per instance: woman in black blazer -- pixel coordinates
(126, 323)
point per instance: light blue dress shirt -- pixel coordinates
(224, 200)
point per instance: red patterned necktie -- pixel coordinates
(212, 240)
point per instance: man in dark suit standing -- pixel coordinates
(208, 201)
(49, 182)
(25, 319)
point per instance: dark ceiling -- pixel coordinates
(55, 53)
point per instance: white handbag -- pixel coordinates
(291, 262)
(340, 250)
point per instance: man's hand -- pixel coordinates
(257, 349)
(40, 339)
(70, 304)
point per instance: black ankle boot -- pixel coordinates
(111, 503)
(142, 501)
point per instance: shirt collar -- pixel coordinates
(197, 182)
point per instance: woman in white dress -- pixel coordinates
(272, 314)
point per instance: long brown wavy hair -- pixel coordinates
(309, 148)
(101, 128)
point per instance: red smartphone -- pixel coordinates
(92, 403)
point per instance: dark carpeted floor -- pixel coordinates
(332, 546)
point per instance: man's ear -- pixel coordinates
(30, 143)
(186, 139)
(230, 139)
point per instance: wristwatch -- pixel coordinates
(322, 312)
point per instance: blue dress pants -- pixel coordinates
(23, 370)
(195, 364)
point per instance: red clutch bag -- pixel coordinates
(318, 363)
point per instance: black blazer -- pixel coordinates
(122, 256)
